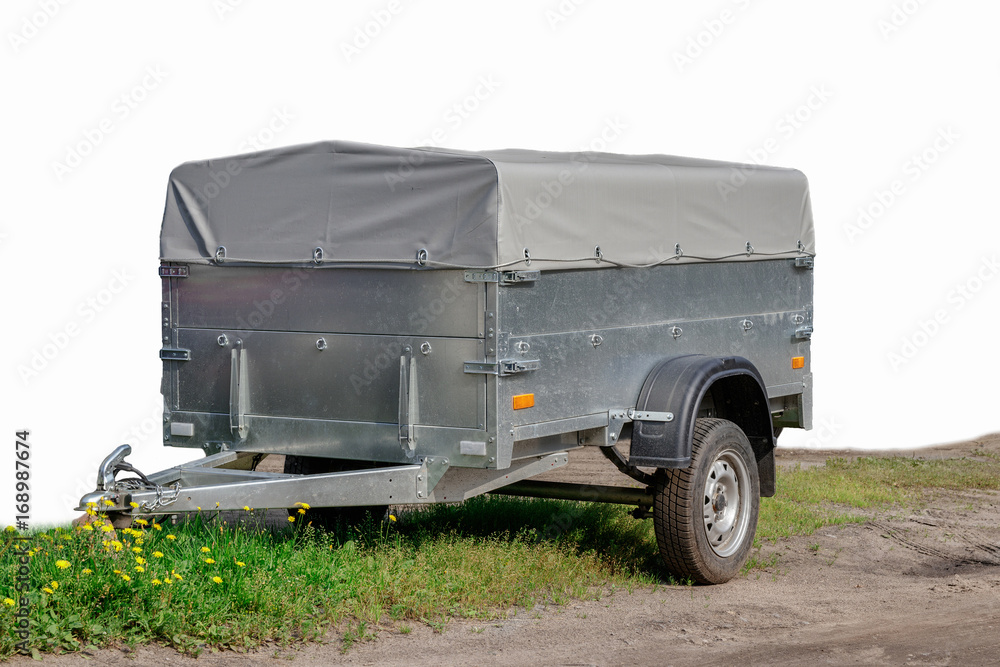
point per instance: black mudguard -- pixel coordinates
(678, 385)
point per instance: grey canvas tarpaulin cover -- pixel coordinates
(362, 204)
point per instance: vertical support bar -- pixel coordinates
(238, 391)
(407, 401)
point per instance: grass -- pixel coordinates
(202, 584)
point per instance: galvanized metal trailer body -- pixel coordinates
(453, 323)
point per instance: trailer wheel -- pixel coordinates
(332, 517)
(705, 516)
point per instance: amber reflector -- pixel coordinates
(522, 401)
(798, 362)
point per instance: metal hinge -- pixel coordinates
(502, 277)
(503, 367)
(804, 262)
(804, 332)
(175, 354)
(173, 272)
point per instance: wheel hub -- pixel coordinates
(724, 515)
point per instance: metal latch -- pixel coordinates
(804, 263)
(175, 354)
(503, 367)
(173, 272)
(804, 332)
(502, 277)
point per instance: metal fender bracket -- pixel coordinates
(618, 418)
(502, 277)
(804, 263)
(804, 332)
(503, 367)
(432, 469)
(175, 354)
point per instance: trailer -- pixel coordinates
(414, 326)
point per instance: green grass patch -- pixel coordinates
(202, 584)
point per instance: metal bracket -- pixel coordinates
(804, 332)
(239, 390)
(502, 277)
(432, 469)
(173, 272)
(407, 401)
(618, 418)
(175, 354)
(805, 262)
(503, 367)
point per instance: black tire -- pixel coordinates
(700, 533)
(332, 517)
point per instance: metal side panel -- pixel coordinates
(565, 301)
(576, 377)
(362, 301)
(332, 376)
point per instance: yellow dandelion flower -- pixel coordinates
(304, 506)
(62, 564)
(138, 541)
(157, 526)
(137, 550)
(392, 517)
(177, 576)
(117, 545)
(140, 568)
(171, 537)
(87, 570)
(301, 511)
(87, 526)
(107, 528)
(142, 522)
(168, 580)
(199, 509)
(217, 580)
(157, 554)
(54, 584)
(240, 563)
(8, 602)
(140, 560)
(246, 508)
(157, 582)
(205, 550)
(47, 590)
(67, 536)
(126, 577)
(210, 561)
(108, 503)
(117, 571)
(134, 505)
(216, 504)
(291, 519)
(91, 504)
(10, 529)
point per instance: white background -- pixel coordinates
(100, 102)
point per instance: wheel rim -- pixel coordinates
(725, 503)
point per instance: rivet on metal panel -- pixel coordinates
(489, 440)
(321, 344)
(443, 462)
(489, 315)
(747, 325)
(166, 339)
(523, 346)
(223, 340)
(676, 332)
(425, 348)
(596, 340)
(166, 306)
(492, 460)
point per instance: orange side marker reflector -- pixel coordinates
(798, 362)
(522, 401)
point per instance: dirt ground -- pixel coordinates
(907, 588)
